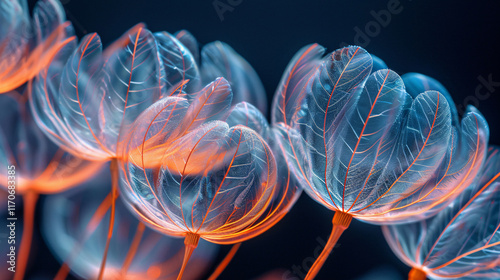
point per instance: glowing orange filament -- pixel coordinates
(30, 199)
(225, 262)
(341, 222)
(114, 191)
(191, 242)
(133, 249)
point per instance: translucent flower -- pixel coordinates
(27, 45)
(461, 241)
(365, 147)
(204, 169)
(87, 97)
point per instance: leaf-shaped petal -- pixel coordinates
(14, 34)
(238, 182)
(189, 41)
(178, 62)
(130, 82)
(417, 83)
(248, 115)
(48, 15)
(220, 60)
(461, 241)
(208, 104)
(421, 149)
(79, 101)
(284, 197)
(151, 133)
(335, 83)
(291, 90)
(465, 153)
(363, 137)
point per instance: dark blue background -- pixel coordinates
(453, 41)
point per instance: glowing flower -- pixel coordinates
(218, 59)
(202, 169)
(26, 47)
(461, 241)
(87, 98)
(363, 146)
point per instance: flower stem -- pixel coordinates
(114, 191)
(220, 268)
(133, 249)
(30, 199)
(341, 222)
(190, 242)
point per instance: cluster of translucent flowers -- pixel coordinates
(192, 155)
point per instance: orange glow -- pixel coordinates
(19, 72)
(154, 272)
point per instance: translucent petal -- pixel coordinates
(220, 60)
(291, 90)
(416, 83)
(98, 93)
(189, 41)
(462, 240)
(78, 99)
(178, 63)
(40, 166)
(287, 191)
(27, 47)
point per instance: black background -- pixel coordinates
(452, 41)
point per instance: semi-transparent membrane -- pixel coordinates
(89, 97)
(361, 145)
(86, 95)
(37, 166)
(75, 230)
(40, 165)
(27, 45)
(389, 150)
(199, 167)
(461, 241)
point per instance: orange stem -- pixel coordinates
(133, 248)
(416, 274)
(190, 242)
(30, 199)
(341, 222)
(114, 190)
(220, 268)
